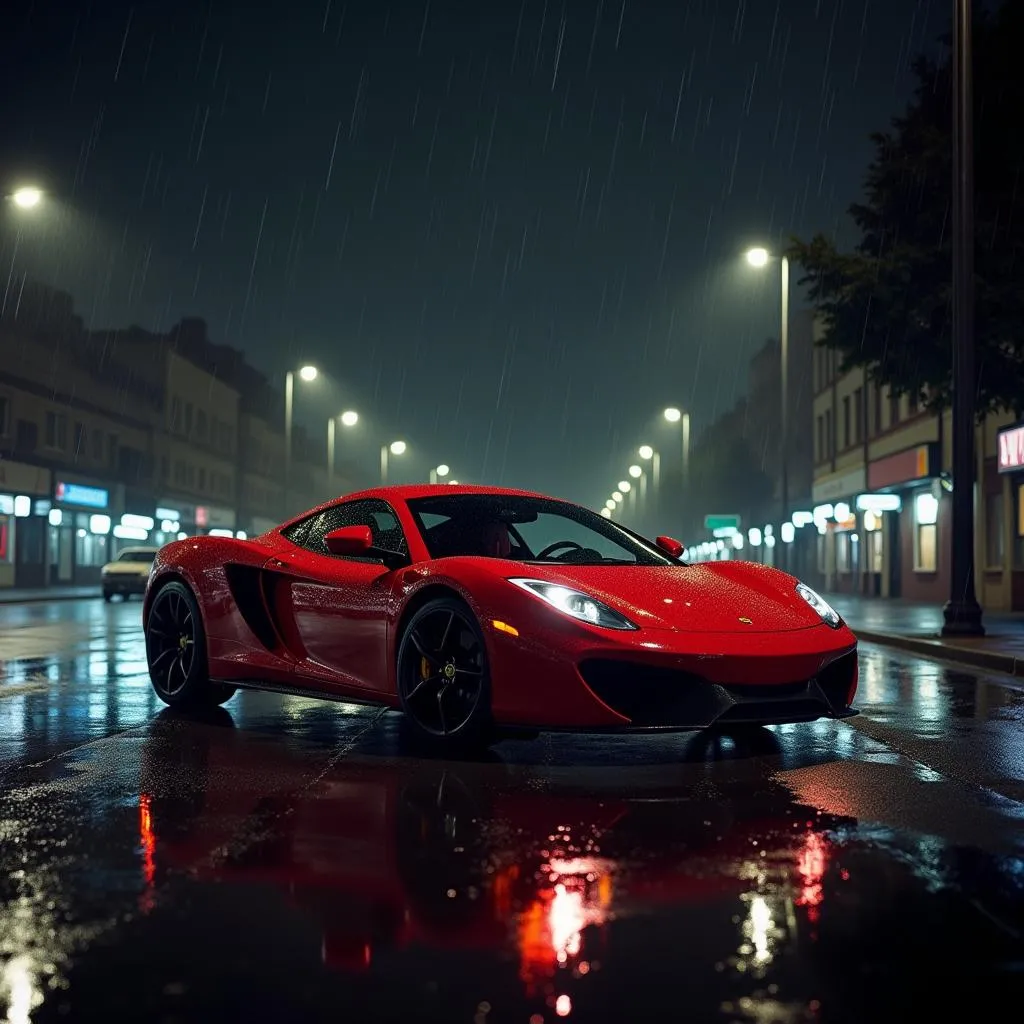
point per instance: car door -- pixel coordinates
(335, 608)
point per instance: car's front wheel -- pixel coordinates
(176, 651)
(443, 676)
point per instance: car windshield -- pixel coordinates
(135, 555)
(527, 529)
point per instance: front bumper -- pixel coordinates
(124, 585)
(657, 681)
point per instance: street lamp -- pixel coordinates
(307, 374)
(439, 473)
(635, 472)
(27, 198)
(759, 257)
(674, 415)
(962, 613)
(348, 419)
(387, 450)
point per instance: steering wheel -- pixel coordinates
(557, 546)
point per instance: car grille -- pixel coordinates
(652, 697)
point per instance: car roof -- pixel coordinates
(410, 492)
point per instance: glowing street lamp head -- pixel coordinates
(442, 470)
(616, 496)
(624, 485)
(673, 415)
(635, 472)
(349, 418)
(27, 198)
(397, 447)
(757, 257)
(646, 452)
(309, 373)
(610, 505)
(606, 512)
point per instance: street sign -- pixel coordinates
(721, 522)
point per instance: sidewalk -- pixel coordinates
(917, 628)
(15, 595)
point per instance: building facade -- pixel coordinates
(872, 515)
(113, 438)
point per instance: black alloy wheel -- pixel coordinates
(176, 651)
(443, 679)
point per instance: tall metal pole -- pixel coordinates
(383, 464)
(289, 396)
(962, 612)
(330, 455)
(784, 375)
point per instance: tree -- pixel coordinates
(887, 305)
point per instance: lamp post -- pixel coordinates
(962, 613)
(758, 258)
(387, 450)
(439, 473)
(307, 374)
(348, 419)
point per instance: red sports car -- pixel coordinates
(477, 608)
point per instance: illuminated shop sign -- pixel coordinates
(79, 494)
(1011, 450)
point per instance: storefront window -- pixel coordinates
(994, 531)
(842, 552)
(91, 549)
(6, 539)
(926, 530)
(1018, 533)
(876, 548)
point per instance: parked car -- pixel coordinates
(128, 573)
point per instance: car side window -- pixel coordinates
(377, 515)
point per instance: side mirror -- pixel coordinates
(670, 546)
(349, 540)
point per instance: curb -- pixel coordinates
(995, 661)
(41, 598)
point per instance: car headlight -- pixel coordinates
(576, 604)
(828, 614)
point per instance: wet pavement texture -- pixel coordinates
(291, 860)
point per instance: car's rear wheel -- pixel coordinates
(443, 676)
(176, 651)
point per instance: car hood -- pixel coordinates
(127, 568)
(718, 597)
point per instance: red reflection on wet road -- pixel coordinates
(577, 895)
(147, 840)
(812, 859)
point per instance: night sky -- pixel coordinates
(510, 232)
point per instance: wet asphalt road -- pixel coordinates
(290, 860)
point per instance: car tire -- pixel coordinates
(176, 651)
(443, 676)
